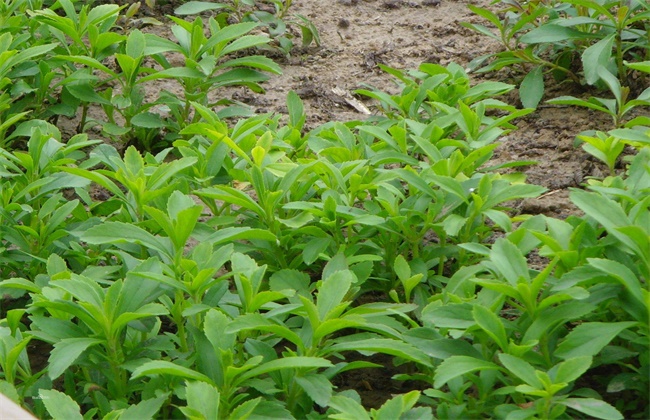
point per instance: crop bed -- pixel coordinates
(373, 210)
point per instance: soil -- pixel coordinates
(357, 35)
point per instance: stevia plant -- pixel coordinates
(16, 60)
(549, 37)
(133, 181)
(207, 65)
(36, 217)
(515, 319)
(277, 24)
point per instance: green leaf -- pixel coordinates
(147, 120)
(571, 369)
(135, 44)
(509, 261)
(231, 234)
(296, 110)
(593, 408)
(456, 366)
(297, 362)
(623, 275)
(196, 7)
(588, 339)
(128, 233)
(348, 409)
(531, 90)
(314, 248)
(570, 100)
(522, 369)
(598, 55)
(246, 409)
(162, 367)
(399, 406)
(402, 268)
(65, 352)
(332, 291)
(317, 387)
(453, 315)
(146, 409)
(491, 324)
(383, 345)
(551, 33)
(59, 405)
(204, 398)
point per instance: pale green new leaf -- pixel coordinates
(204, 398)
(571, 369)
(146, 409)
(332, 291)
(162, 367)
(348, 409)
(297, 362)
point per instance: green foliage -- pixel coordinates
(552, 37)
(238, 269)
(276, 24)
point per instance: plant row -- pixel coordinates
(229, 270)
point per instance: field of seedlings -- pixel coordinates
(325, 209)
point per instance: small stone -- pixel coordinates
(343, 23)
(434, 3)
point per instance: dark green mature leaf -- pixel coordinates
(65, 352)
(491, 324)
(107, 233)
(551, 33)
(598, 55)
(593, 408)
(454, 315)
(522, 369)
(457, 366)
(147, 120)
(383, 345)
(59, 405)
(623, 275)
(588, 339)
(317, 387)
(532, 88)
